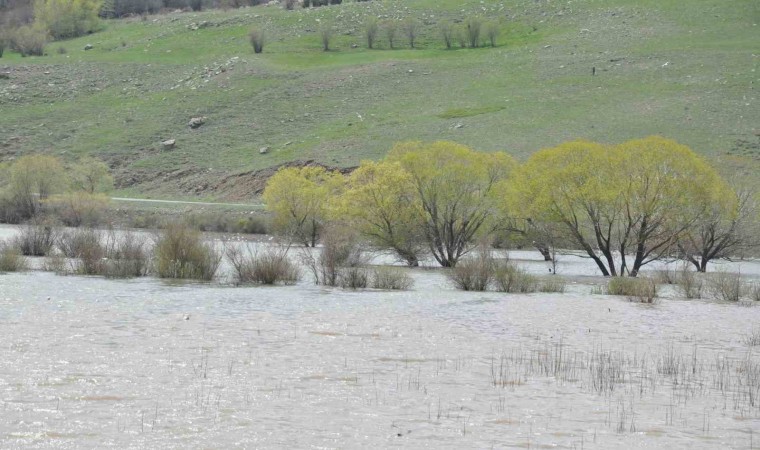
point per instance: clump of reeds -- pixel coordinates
(181, 253)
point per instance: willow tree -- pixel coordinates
(624, 205)
(381, 202)
(454, 186)
(33, 179)
(298, 199)
(729, 227)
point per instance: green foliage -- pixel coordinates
(65, 19)
(510, 278)
(455, 188)
(33, 179)
(635, 198)
(298, 200)
(91, 176)
(379, 199)
(29, 40)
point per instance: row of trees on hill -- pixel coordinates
(623, 205)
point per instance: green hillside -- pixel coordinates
(686, 70)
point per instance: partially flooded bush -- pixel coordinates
(270, 267)
(473, 274)
(181, 253)
(353, 278)
(726, 286)
(552, 285)
(11, 259)
(689, 283)
(72, 243)
(340, 249)
(36, 239)
(667, 276)
(128, 257)
(76, 209)
(754, 291)
(391, 278)
(512, 279)
(642, 290)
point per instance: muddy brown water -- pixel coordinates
(87, 362)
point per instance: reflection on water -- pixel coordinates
(88, 362)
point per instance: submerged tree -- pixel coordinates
(454, 186)
(298, 198)
(632, 200)
(380, 200)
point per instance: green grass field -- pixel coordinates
(686, 70)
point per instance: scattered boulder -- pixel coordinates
(263, 150)
(196, 122)
(88, 47)
(169, 144)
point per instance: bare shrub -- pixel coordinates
(29, 40)
(256, 38)
(552, 285)
(56, 263)
(11, 259)
(641, 290)
(689, 283)
(371, 30)
(447, 33)
(510, 278)
(86, 247)
(410, 27)
(353, 278)
(36, 238)
(181, 253)
(391, 278)
(473, 274)
(391, 30)
(754, 291)
(340, 249)
(270, 267)
(472, 28)
(492, 32)
(326, 34)
(726, 286)
(752, 339)
(667, 276)
(128, 256)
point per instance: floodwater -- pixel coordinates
(87, 362)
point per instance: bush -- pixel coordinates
(2, 44)
(36, 239)
(77, 209)
(128, 257)
(390, 278)
(642, 290)
(726, 286)
(11, 259)
(689, 283)
(410, 27)
(326, 34)
(391, 29)
(447, 33)
(256, 38)
(269, 267)
(754, 291)
(180, 253)
(472, 28)
(64, 19)
(29, 40)
(74, 243)
(492, 32)
(370, 32)
(340, 250)
(474, 274)
(289, 4)
(552, 285)
(353, 278)
(512, 279)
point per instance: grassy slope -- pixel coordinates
(687, 72)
